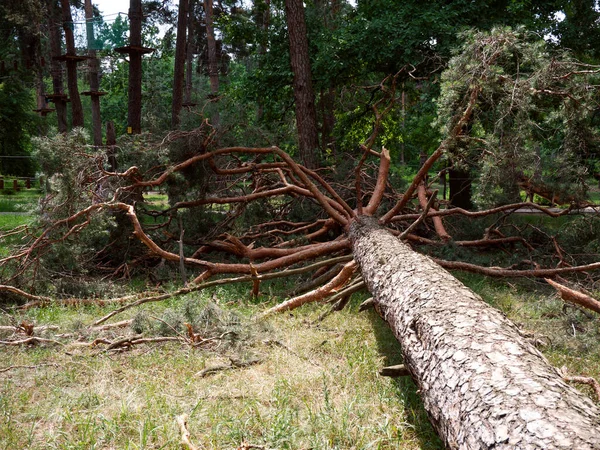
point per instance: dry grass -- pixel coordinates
(316, 387)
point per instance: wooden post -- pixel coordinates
(93, 66)
(111, 142)
(28, 183)
(71, 59)
(58, 96)
(135, 52)
(1, 183)
(134, 112)
(16, 185)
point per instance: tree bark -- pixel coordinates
(134, 109)
(94, 76)
(482, 383)
(58, 94)
(304, 96)
(111, 144)
(76, 107)
(213, 66)
(263, 21)
(189, 56)
(460, 188)
(179, 69)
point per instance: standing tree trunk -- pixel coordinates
(134, 108)
(304, 96)
(460, 181)
(263, 20)
(213, 66)
(111, 145)
(58, 96)
(327, 106)
(189, 57)
(179, 69)
(71, 60)
(93, 66)
(482, 383)
(329, 10)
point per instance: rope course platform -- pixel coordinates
(44, 111)
(67, 57)
(134, 49)
(94, 93)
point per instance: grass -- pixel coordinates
(316, 385)
(21, 201)
(9, 222)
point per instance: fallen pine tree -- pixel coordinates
(482, 383)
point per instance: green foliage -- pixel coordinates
(578, 30)
(17, 125)
(69, 165)
(532, 117)
(157, 81)
(113, 35)
(582, 237)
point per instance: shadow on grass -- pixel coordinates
(406, 389)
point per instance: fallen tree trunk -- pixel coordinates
(482, 383)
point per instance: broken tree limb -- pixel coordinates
(111, 326)
(355, 285)
(234, 365)
(367, 304)
(27, 295)
(30, 341)
(482, 383)
(36, 328)
(414, 225)
(7, 369)
(137, 340)
(186, 440)
(199, 287)
(384, 168)
(318, 294)
(399, 370)
(592, 382)
(573, 296)
(318, 281)
(503, 272)
(427, 203)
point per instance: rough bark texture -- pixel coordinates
(482, 383)
(304, 96)
(213, 64)
(189, 54)
(460, 188)
(93, 66)
(134, 109)
(111, 143)
(76, 107)
(179, 69)
(59, 96)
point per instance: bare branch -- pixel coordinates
(318, 294)
(573, 296)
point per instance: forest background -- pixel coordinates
(335, 85)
